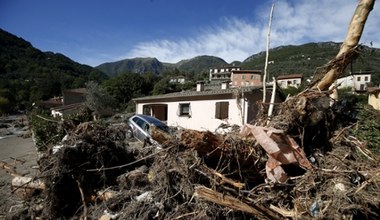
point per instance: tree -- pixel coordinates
(97, 100)
(124, 87)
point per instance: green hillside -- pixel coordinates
(290, 59)
(135, 65)
(307, 58)
(28, 75)
(195, 65)
(199, 64)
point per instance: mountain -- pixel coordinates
(307, 58)
(28, 74)
(199, 64)
(152, 65)
(135, 65)
(283, 60)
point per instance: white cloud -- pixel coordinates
(293, 23)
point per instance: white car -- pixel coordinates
(139, 127)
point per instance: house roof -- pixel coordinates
(52, 102)
(207, 92)
(362, 73)
(78, 90)
(290, 76)
(246, 71)
(373, 90)
(67, 107)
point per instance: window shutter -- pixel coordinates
(217, 110)
(224, 110)
(221, 110)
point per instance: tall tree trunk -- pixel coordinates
(309, 107)
(347, 52)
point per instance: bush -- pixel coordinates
(368, 128)
(46, 130)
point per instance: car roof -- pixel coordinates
(150, 119)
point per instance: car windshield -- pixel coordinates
(159, 124)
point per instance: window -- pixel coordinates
(184, 109)
(221, 110)
(243, 76)
(252, 76)
(362, 87)
(358, 78)
(366, 78)
(147, 110)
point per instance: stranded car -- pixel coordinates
(139, 127)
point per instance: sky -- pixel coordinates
(93, 32)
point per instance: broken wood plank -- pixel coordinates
(224, 179)
(208, 194)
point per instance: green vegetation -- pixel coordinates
(367, 128)
(45, 129)
(194, 66)
(307, 58)
(28, 75)
(136, 65)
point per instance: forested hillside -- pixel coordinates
(307, 58)
(290, 59)
(135, 65)
(196, 65)
(28, 74)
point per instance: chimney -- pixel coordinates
(200, 86)
(225, 85)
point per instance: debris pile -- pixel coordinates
(259, 173)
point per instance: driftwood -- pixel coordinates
(233, 203)
(27, 182)
(8, 168)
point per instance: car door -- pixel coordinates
(140, 132)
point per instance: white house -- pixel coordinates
(222, 74)
(177, 79)
(358, 81)
(204, 109)
(285, 81)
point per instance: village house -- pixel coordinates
(73, 100)
(50, 103)
(374, 97)
(235, 76)
(221, 74)
(246, 78)
(291, 80)
(205, 109)
(178, 79)
(358, 81)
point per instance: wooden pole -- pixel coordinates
(267, 55)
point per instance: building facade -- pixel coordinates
(291, 80)
(356, 81)
(204, 109)
(246, 78)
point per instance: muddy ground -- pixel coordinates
(18, 154)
